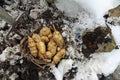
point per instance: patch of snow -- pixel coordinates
(8, 52)
(21, 61)
(97, 9)
(13, 76)
(13, 59)
(7, 72)
(14, 13)
(116, 34)
(1, 71)
(12, 62)
(114, 20)
(2, 24)
(9, 8)
(5, 54)
(74, 53)
(34, 14)
(62, 68)
(111, 62)
(39, 73)
(16, 36)
(102, 63)
(70, 7)
(43, 6)
(85, 74)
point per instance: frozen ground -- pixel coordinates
(89, 14)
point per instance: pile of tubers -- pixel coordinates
(48, 45)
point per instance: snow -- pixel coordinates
(2, 23)
(116, 33)
(73, 53)
(5, 54)
(9, 53)
(63, 67)
(65, 6)
(114, 20)
(96, 8)
(43, 6)
(34, 14)
(90, 14)
(111, 63)
(13, 76)
(103, 63)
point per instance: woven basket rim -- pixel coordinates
(26, 52)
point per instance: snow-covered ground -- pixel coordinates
(90, 14)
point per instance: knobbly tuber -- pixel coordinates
(32, 46)
(57, 37)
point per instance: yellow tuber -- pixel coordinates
(57, 37)
(36, 37)
(58, 56)
(52, 47)
(32, 46)
(41, 47)
(50, 35)
(49, 54)
(44, 38)
(45, 31)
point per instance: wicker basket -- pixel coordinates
(26, 52)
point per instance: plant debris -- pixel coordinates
(99, 40)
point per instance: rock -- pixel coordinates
(2, 24)
(14, 13)
(115, 12)
(34, 14)
(113, 16)
(13, 76)
(98, 40)
(9, 8)
(105, 47)
(116, 74)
